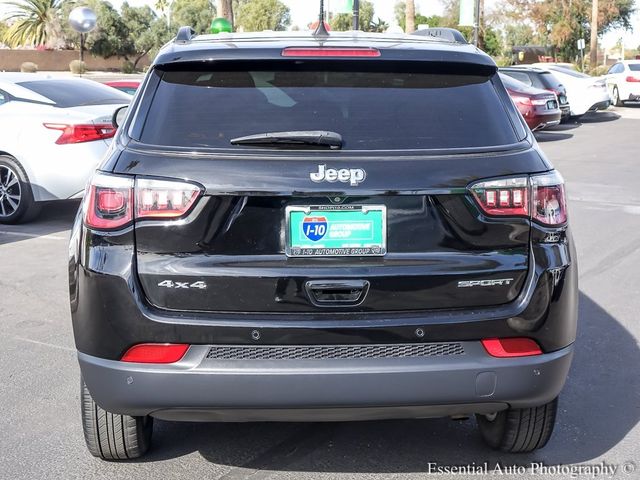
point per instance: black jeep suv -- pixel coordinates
(345, 227)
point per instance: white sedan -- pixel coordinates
(623, 80)
(585, 93)
(54, 131)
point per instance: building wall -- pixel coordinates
(58, 60)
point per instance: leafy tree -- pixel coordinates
(344, 21)
(561, 24)
(492, 43)
(379, 26)
(147, 32)
(195, 13)
(401, 17)
(259, 15)
(33, 22)
(517, 34)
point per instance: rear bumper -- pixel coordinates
(201, 389)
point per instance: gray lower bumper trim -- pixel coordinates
(233, 390)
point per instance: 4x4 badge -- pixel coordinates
(353, 176)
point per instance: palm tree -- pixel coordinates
(410, 13)
(33, 22)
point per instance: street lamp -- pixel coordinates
(82, 20)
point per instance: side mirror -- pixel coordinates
(119, 115)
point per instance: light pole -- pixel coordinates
(82, 20)
(356, 14)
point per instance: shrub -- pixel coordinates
(29, 67)
(127, 67)
(599, 70)
(78, 67)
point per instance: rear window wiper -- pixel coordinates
(294, 139)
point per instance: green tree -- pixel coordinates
(519, 34)
(492, 43)
(261, 15)
(561, 24)
(33, 22)
(344, 21)
(147, 31)
(195, 13)
(379, 26)
(401, 17)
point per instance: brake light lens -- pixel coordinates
(503, 197)
(330, 52)
(540, 197)
(113, 201)
(160, 199)
(511, 347)
(548, 199)
(108, 204)
(631, 78)
(81, 133)
(155, 353)
(522, 100)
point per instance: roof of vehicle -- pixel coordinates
(16, 77)
(269, 45)
(123, 83)
(526, 68)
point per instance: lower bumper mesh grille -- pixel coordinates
(320, 352)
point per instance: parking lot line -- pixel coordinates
(33, 235)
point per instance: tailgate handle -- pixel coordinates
(338, 293)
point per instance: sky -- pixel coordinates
(304, 12)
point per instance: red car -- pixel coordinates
(126, 86)
(539, 108)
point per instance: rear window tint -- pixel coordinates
(371, 110)
(549, 80)
(634, 67)
(76, 93)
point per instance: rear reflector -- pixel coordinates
(330, 52)
(155, 353)
(511, 347)
(82, 133)
(631, 78)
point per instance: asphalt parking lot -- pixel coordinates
(599, 409)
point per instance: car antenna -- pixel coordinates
(321, 30)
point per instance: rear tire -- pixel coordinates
(616, 98)
(17, 204)
(519, 430)
(111, 436)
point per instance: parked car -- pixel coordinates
(544, 80)
(584, 92)
(539, 108)
(127, 86)
(546, 65)
(623, 81)
(365, 229)
(54, 132)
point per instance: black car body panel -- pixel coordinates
(451, 272)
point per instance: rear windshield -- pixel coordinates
(75, 93)
(549, 80)
(634, 67)
(370, 110)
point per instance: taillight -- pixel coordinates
(164, 199)
(155, 353)
(548, 199)
(511, 347)
(522, 100)
(631, 78)
(109, 202)
(82, 133)
(539, 197)
(330, 52)
(113, 201)
(503, 197)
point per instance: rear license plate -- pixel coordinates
(552, 105)
(336, 230)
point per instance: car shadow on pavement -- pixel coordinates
(598, 407)
(54, 218)
(599, 117)
(543, 136)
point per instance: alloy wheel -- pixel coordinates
(10, 191)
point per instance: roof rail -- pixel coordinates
(448, 34)
(185, 35)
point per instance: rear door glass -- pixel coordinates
(370, 110)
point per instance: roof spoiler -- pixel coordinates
(448, 34)
(185, 35)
